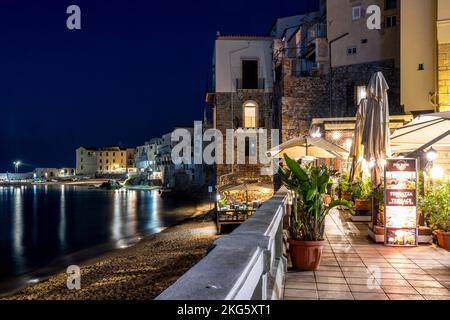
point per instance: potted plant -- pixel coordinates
(307, 186)
(361, 194)
(436, 204)
(344, 187)
(378, 196)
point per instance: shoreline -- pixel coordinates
(83, 183)
(141, 271)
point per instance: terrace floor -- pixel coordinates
(355, 268)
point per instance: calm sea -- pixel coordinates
(46, 228)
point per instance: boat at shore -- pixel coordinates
(166, 192)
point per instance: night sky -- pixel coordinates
(135, 70)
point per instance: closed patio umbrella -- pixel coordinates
(376, 134)
(357, 150)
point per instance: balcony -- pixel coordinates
(304, 68)
(257, 84)
(316, 31)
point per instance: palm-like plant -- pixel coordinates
(308, 185)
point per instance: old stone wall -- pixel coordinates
(229, 115)
(346, 78)
(298, 100)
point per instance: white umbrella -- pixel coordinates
(376, 134)
(308, 147)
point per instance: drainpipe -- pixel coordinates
(330, 71)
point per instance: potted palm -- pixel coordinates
(307, 186)
(436, 204)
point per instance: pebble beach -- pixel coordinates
(140, 272)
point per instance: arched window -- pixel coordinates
(250, 112)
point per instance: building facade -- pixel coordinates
(356, 52)
(425, 62)
(183, 178)
(107, 160)
(300, 66)
(243, 86)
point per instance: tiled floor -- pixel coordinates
(355, 268)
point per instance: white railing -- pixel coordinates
(245, 265)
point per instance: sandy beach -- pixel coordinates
(140, 272)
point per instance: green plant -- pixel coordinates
(378, 196)
(436, 204)
(223, 203)
(307, 186)
(362, 190)
(343, 183)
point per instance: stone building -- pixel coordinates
(300, 65)
(187, 179)
(242, 99)
(357, 52)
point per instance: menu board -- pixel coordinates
(401, 227)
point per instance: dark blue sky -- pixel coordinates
(136, 69)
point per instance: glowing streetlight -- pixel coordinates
(16, 165)
(431, 155)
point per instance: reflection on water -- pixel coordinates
(43, 224)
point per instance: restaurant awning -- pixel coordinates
(314, 147)
(426, 131)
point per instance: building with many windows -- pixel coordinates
(107, 160)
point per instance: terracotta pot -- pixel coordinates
(306, 255)
(443, 239)
(347, 196)
(363, 205)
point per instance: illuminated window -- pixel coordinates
(361, 93)
(250, 114)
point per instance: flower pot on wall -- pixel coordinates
(306, 255)
(443, 239)
(363, 205)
